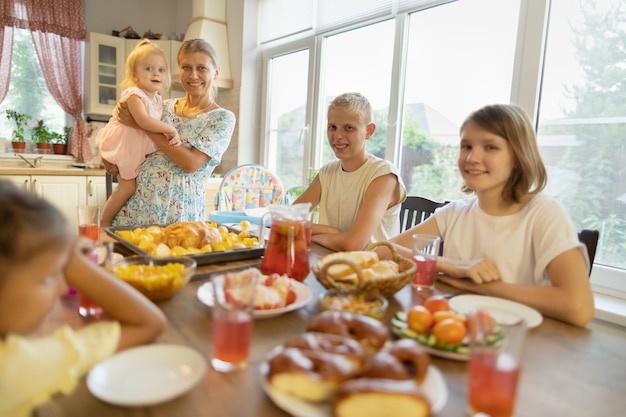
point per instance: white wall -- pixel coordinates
(159, 16)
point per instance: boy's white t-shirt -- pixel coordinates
(32, 370)
(343, 194)
(520, 245)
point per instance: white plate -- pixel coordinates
(303, 296)
(433, 386)
(146, 375)
(436, 352)
(503, 311)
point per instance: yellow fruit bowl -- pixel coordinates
(156, 278)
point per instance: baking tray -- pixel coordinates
(201, 258)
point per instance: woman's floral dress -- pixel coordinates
(165, 194)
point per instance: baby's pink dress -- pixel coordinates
(127, 146)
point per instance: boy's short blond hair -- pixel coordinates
(355, 102)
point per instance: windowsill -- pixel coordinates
(610, 309)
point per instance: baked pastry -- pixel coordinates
(365, 397)
(190, 235)
(332, 343)
(401, 360)
(308, 374)
(340, 271)
(369, 332)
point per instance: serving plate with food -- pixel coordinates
(440, 330)
(274, 294)
(344, 365)
(205, 242)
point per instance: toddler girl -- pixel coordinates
(124, 148)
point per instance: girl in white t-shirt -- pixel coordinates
(509, 240)
(39, 257)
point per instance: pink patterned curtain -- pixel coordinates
(58, 28)
(7, 22)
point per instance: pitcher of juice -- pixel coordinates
(286, 250)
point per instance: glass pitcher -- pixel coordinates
(286, 250)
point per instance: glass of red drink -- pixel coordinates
(86, 307)
(89, 222)
(233, 302)
(494, 368)
(287, 249)
(425, 252)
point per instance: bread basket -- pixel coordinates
(385, 287)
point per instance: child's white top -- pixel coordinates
(520, 245)
(32, 370)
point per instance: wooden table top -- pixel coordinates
(567, 371)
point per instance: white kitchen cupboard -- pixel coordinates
(66, 192)
(103, 73)
(171, 52)
(96, 190)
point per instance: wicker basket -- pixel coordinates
(384, 287)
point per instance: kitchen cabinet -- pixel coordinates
(171, 52)
(103, 73)
(65, 192)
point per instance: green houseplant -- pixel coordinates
(41, 136)
(59, 141)
(18, 135)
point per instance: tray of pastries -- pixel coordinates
(206, 242)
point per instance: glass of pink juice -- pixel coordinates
(493, 383)
(233, 301)
(494, 367)
(425, 252)
(89, 222)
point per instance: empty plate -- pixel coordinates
(146, 375)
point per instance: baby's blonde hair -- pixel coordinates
(142, 50)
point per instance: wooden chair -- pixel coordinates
(590, 239)
(415, 210)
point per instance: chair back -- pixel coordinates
(249, 186)
(415, 210)
(590, 239)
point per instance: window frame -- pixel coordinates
(525, 91)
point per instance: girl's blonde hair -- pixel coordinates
(513, 124)
(355, 102)
(200, 45)
(142, 50)
(30, 225)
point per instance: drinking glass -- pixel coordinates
(89, 222)
(233, 302)
(86, 307)
(425, 252)
(494, 365)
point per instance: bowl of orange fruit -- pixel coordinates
(440, 330)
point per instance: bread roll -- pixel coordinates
(311, 375)
(364, 259)
(365, 397)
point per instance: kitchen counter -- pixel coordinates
(51, 170)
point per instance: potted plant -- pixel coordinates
(59, 141)
(17, 137)
(42, 136)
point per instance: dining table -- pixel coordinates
(566, 370)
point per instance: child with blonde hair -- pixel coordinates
(39, 257)
(124, 148)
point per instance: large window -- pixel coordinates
(28, 92)
(434, 62)
(582, 118)
(459, 57)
